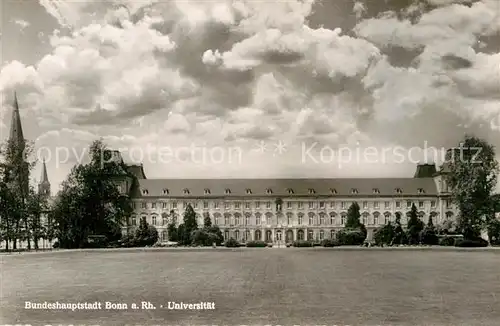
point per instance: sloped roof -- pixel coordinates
(281, 187)
(137, 171)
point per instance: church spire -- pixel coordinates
(16, 129)
(44, 177)
(44, 184)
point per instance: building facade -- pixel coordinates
(285, 210)
(272, 210)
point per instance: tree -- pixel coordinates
(8, 214)
(353, 217)
(172, 232)
(214, 235)
(207, 222)
(145, 235)
(181, 235)
(90, 202)
(37, 207)
(399, 234)
(447, 227)
(429, 234)
(208, 235)
(472, 179)
(189, 225)
(494, 232)
(355, 232)
(385, 234)
(415, 226)
(14, 186)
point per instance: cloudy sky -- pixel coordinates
(251, 88)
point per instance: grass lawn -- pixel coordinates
(301, 286)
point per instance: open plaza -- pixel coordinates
(247, 286)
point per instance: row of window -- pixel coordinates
(278, 236)
(289, 204)
(289, 236)
(322, 219)
(290, 191)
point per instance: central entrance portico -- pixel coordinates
(279, 236)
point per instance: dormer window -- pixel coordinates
(186, 191)
(421, 191)
(249, 191)
(269, 191)
(290, 191)
(399, 191)
(312, 191)
(165, 191)
(145, 191)
(376, 191)
(228, 191)
(333, 191)
(207, 191)
(354, 191)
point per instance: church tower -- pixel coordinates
(44, 185)
(20, 175)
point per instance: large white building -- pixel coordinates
(248, 209)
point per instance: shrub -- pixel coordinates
(215, 235)
(302, 243)
(256, 244)
(114, 244)
(200, 237)
(232, 243)
(494, 232)
(329, 243)
(145, 235)
(385, 234)
(96, 241)
(471, 243)
(56, 244)
(447, 241)
(351, 237)
(429, 236)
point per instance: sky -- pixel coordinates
(233, 89)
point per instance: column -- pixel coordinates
(294, 234)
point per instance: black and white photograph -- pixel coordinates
(250, 162)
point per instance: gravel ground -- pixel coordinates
(261, 286)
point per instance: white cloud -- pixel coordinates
(236, 72)
(177, 123)
(21, 23)
(454, 23)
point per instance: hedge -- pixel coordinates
(256, 244)
(329, 243)
(351, 238)
(447, 241)
(471, 243)
(232, 243)
(303, 243)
